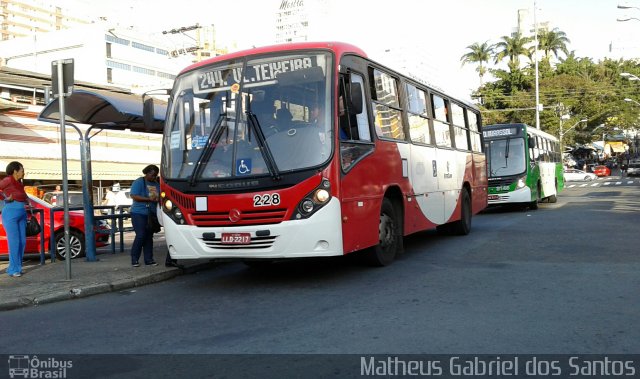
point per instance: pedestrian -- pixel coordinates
(14, 216)
(144, 193)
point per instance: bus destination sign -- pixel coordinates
(499, 132)
(264, 73)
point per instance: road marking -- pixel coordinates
(583, 185)
(618, 183)
(630, 182)
(595, 184)
(606, 183)
(571, 186)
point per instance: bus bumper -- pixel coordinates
(318, 236)
(522, 195)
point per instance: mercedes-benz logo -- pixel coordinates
(234, 215)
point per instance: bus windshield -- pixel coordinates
(250, 117)
(506, 157)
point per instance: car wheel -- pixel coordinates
(76, 244)
(588, 178)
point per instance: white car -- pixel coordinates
(634, 167)
(573, 174)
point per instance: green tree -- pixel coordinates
(552, 41)
(512, 47)
(479, 53)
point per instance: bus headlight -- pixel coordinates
(173, 211)
(307, 206)
(321, 196)
(313, 201)
(522, 182)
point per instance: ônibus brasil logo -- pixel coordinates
(25, 366)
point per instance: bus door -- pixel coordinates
(447, 171)
(424, 180)
(358, 186)
(423, 170)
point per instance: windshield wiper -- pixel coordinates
(262, 143)
(212, 141)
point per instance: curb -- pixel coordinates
(99, 288)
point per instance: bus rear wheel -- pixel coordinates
(389, 237)
(554, 198)
(462, 227)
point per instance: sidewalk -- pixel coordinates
(47, 283)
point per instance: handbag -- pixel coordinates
(33, 226)
(154, 224)
(152, 219)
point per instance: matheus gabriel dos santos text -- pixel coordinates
(564, 366)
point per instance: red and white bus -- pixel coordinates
(312, 149)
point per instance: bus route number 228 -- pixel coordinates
(266, 199)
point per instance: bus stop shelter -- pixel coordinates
(102, 110)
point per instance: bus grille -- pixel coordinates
(256, 243)
(184, 201)
(500, 182)
(262, 217)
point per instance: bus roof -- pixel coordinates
(339, 48)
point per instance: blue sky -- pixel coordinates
(433, 33)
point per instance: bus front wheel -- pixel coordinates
(534, 204)
(389, 237)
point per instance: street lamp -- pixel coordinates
(629, 76)
(562, 133)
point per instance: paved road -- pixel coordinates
(604, 182)
(562, 279)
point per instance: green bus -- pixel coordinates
(524, 165)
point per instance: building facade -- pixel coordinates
(23, 18)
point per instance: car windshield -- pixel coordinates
(254, 117)
(506, 156)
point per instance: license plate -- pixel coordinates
(236, 238)
(493, 197)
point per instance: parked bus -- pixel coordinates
(524, 165)
(312, 149)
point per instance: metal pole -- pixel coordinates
(65, 186)
(535, 28)
(561, 145)
(87, 201)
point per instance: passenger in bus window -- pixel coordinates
(264, 112)
(284, 118)
(344, 120)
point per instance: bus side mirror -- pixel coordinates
(355, 98)
(532, 143)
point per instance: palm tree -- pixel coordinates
(552, 41)
(512, 47)
(480, 53)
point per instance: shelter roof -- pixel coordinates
(109, 110)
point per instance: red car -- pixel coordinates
(601, 171)
(76, 231)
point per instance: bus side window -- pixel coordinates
(353, 128)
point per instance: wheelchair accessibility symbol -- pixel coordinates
(243, 166)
